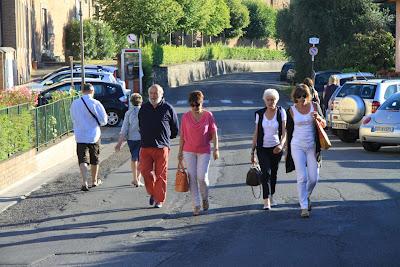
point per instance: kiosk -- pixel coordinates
(131, 69)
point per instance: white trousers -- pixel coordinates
(307, 171)
(197, 167)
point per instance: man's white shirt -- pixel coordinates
(86, 129)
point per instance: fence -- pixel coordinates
(48, 122)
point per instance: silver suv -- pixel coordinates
(353, 101)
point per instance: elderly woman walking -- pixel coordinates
(130, 133)
(198, 128)
(303, 147)
(268, 139)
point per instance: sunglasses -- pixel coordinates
(195, 104)
(301, 96)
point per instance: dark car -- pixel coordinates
(285, 68)
(111, 95)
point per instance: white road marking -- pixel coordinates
(226, 101)
(247, 102)
(181, 102)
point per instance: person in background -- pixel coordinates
(269, 138)
(130, 133)
(314, 94)
(303, 147)
(158, 124)
(198, 128)
(333, 84)
(87, 115)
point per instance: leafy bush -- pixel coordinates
(98, 37)
(16, 134)
(16, 96)
(167, 55)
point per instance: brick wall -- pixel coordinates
(32, 163)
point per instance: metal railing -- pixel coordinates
(50, 121)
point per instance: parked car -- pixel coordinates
(383, 127)
(284, 71)
(57, 77)
(354, 100)
(343, 78)
(113, 97)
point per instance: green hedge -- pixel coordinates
(16, 134)
(157, 55)
(167, 55)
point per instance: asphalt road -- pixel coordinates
(355, 220)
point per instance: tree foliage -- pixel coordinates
(262, 20)
(219, 18)
(239, 19)
(339, 24)
(141, 17)
(197, 14)
(98, 38)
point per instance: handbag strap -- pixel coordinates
(180, 166)
(91, 113)
(254, 195)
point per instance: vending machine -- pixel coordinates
(131, 69)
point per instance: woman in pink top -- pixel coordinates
(198, 128)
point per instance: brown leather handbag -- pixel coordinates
(323, 137)
(181, 179)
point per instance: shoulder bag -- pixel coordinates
(91, 113)
(253, 178)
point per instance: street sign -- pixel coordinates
(314, 40)
(313, 51)
(131, 38)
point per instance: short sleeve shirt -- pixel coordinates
(198, 134)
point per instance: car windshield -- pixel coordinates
(393, 103)
(366, 91)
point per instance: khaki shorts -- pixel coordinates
(88, 153)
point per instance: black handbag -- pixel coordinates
(253, 178)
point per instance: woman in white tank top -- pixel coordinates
(303, 147)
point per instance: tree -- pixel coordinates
(197, 14)
(336, 23)
(262, 20)
(219, 19)
(141, 17)
(239, 19)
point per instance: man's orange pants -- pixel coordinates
(155, 159)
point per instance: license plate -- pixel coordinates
(339, 125)
(383, 129)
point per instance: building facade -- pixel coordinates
(35, 29)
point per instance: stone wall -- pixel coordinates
(181, 74)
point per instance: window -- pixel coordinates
(45, 29)
(392, 104)
(366, 91)
(98, 89)
(390, 91)
(110, 90)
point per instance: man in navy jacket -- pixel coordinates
(158, 124)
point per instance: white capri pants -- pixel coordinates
(307, 171)
(197, 167)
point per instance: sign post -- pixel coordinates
(313, 51)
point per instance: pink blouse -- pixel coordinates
(198, 134)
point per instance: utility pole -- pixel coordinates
(82, 47)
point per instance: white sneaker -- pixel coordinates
(272, 201)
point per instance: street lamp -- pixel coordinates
(82, 47)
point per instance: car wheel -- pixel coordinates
(113, 118)
(372, 147)
(347, 136)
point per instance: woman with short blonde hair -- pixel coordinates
(268, 139)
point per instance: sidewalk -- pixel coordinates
(25, 187)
